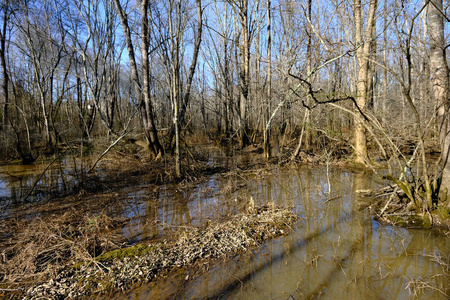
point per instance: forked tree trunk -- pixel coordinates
(146, 107)
(187, 92)
(143, 97)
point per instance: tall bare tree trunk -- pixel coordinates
(143, 96)
(147, 112)
(363, 53)
(5, 82)
(439, 81)
(269, 84)
(385, 71)
(187, 93)
(226, 97)
(256, 78)
(244, 72)
(175, 34)
(307, 121)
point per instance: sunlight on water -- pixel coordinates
(337, 250)
(18, 182)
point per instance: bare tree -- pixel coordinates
(175, 28)
(6, 10)
(363, 44)
(183, 105)
(98, 57)
(227, 97)
(142, 93)
(44, 45)
(439, 80)
(309, 62)
(242, 11)
(266, 111)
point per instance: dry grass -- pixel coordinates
(40, 247)
(120, 269)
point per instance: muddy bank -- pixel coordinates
(121, 269)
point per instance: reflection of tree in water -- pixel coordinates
(16, 193)
(39, 181)
(336, 251)
(361, 230)
(325, 258)
(181, 215)
(150, 229)
(422, 254)
(173, 209)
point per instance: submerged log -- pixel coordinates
(385, 191)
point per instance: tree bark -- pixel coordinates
(6, 15)
(146, 107)
(439, 81)
(307, 121)
(244, 72)
(226, 97)
(190, 78)
(175, 34)
(266, 112)
(363, 53)
(143, 95)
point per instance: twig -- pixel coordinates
(190, 154)
(40, 176)
(389, 201)
(333, 198)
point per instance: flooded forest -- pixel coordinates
(224, 149)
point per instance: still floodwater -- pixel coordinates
(36, 182)
(337, 251)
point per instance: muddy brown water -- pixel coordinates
(336, 251)
(25, 184)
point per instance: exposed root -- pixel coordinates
(391, 205)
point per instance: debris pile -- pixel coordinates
(121, 269)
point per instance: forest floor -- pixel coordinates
(67, 247)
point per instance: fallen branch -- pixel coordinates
(389, 201)
(39, 179)
(109, 148)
